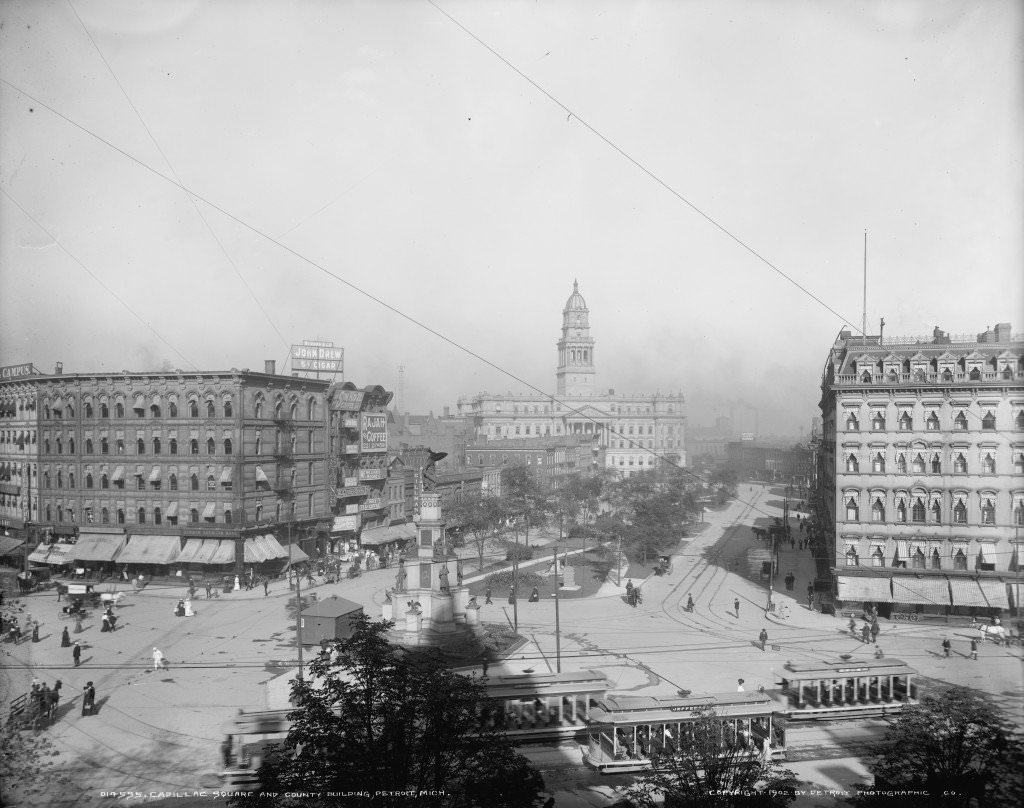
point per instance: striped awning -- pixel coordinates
(929, 591)
(271, 546)
(190, 550)
(979, 593)
(225, 553)
(38, 556)
(252, 553)
(385, 534)
(295, 554)
(206, 552)
(143, 549)
(995, 593)
(60, 554)
(870, 590)
(98, 546)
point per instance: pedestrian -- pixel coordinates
(35, 632)
(974, 649)
(158, 659)
(739, 686)
(78, 623)
(209, 593)
(689, 603)
(878, 652)
(534, 595)
(111, 618)
(946, 645)
(736, 606)
(865, 633)
(106, 623)
(487, 596)
(76, 653)
(226, 750)
(852, 625)
(874, 630)
(65, 638)
(88, 699)
(266, 586)
(763, 637)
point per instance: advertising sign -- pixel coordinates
(373, 432)
(350, 400)
(345, 523)
(322, 358)
(17, 371)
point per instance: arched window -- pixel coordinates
(88, 409)
(906, 423)
(278, 411)
(259, 409)
(918, 464)
(227, 446)
(71, 479)
(852, 424)
(120, 446)
(1018, 512)
(119, 410)
(104, 446)
(88, 480)
(193, 408)
(71, 445)
(936, 466)
(877, 510)
(104, 481)
(211, 446)
(901, 463)
(988, 422)
(1019, 420)
(259, 444)
(157, 516)
(140, 482)
(60, 479)
(49, 514)
(156, 446)
(960, 513)
(936, 512)
(878, 464)
(293, 412)
(154, 410)
(105, 516)
(878, 558)
(988, 512)
(988, 465)
(974, 375)
(227, 517)
(311, 410)
(960, 422)
(210, 410)
(104, 410)
(142, 516)
(140, 446)
(172, 409)
(120, 516)
(932, 423)
(960, 560)
(917, 560)
(227, 409)
(852, 510)
(172, 482)
(865, 377)
(259, 512)
(1018, 464)
(60, 446)
(901, 511)
(46, 446)
(46, 479)
(88, 446)
(194, 446)
(917, 511)
(851, 558)
(959, 464)
(193, 482)
(173, 446)
(852, 464)
(193, 515)
(936, 560)
(878, 422)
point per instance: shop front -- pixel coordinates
(150, 555)
(981, 598)
(861, 593)
(95, 551)
(921, 595)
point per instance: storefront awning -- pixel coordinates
(995, 593)
(225, 553)
(295, 554)
(928, 591)
(207, 550)
(60, 554)
(869, 590)
(210, 510)
(8, 545)
(252, 553)
(38, 556)
(271, 546)
(383, 535)
(98, 546)
(190, 551)
(143, 549)
(966, 592)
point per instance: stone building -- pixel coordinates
(627, 433)
(920, 493)
(19, 428)
(550, 460)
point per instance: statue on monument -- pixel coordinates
(401, 576)
(458, 571)
(442, 579)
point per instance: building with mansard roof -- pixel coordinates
(920, 495)
(625, 432)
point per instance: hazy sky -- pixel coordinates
(384, 143)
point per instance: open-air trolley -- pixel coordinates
(847, 688)
(626, 731)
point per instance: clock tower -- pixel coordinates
(575, 374)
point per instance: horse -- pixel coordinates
(111, 598)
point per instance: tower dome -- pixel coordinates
(575, 301)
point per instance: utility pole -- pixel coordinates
(515, 585)
(298, 600)
(618, 561)
(558, 633)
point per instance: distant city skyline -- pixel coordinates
(380, 146)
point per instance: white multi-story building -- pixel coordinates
(627, 433)
(921, 470)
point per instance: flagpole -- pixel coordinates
(864, 320)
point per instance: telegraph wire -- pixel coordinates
(174, 174)
(643, 168)
(92, 275)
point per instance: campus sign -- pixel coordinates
(17, 371)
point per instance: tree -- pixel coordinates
(374, 718)
(27, 761)
(706, 773)
(478, 516)
(956, 748)
(522, 496)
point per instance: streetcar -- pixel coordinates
(847, 688)
(626, 732)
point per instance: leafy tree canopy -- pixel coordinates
(384, 721)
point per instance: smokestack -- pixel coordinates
(58, 369)
(270, 366)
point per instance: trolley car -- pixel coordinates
(625, 732)
(533, 707)
(847, 688)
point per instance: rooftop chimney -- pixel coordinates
(58, 369)
(270, 366)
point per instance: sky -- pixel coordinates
(199, 185)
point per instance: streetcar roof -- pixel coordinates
(652, 710)
(841, 668)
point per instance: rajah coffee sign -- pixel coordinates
(373, 432)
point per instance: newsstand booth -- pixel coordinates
(330, 619)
